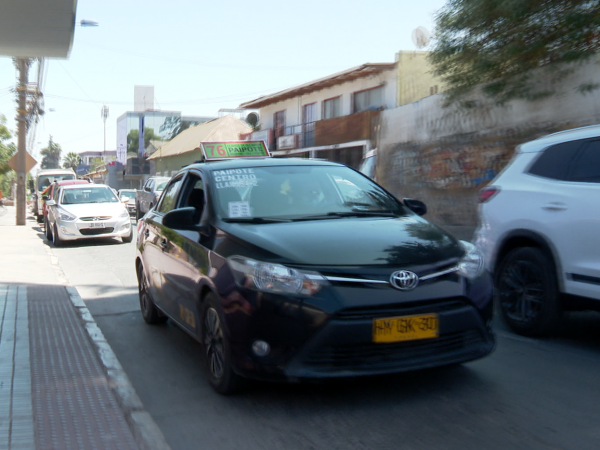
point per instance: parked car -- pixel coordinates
(86, 212)
(539, 222)
(41, 182)
(318, 273)
(148, 196)
(50, 193)
(127, 196)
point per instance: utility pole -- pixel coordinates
(104, 114)
(23, 66)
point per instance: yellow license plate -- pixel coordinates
(406, 328)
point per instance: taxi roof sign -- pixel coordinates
(234, 149)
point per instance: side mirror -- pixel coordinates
(50, 203)
(183, 219)
(416, 206)
(147, 188)
(45, 197)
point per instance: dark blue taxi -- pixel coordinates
(294, 269)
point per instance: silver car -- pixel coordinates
(87, 211)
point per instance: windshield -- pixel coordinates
(300, 192)
(129, 194)
(87, 195)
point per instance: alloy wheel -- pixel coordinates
(521, 291)
(213, 338)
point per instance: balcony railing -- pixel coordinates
(354, 127)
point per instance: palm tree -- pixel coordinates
(71, 161)
(51, 155)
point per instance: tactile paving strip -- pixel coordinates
(73, 405)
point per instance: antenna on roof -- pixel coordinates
(420, 37)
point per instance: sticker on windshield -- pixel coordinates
(239, 209)
(235, 178)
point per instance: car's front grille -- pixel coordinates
(405, 308)
(380, 357)
(95, 218)
(96, 231)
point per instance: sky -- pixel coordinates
(203, 56)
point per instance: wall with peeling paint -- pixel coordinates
(443, 156)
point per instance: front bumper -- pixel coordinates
(79, 229)
(309, 342)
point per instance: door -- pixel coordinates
(309, 117)
(185, 259)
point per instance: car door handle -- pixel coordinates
(163, 243)
(555, 206)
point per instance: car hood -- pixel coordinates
(95, 209)
(349, 241)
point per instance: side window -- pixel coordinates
(194, 195)
(554, 161)
(586, 167)
(169, 198)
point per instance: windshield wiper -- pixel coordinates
(253, 220)
(340, 214)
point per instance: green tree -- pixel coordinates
(496, 44)
(133, 140)
(51, 155)
(7, 148)
(71, 161)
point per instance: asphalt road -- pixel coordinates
(529, 394)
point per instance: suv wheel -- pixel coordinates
(527, 292)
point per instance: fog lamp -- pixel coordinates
(261, 348)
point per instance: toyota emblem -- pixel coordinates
(404, 280)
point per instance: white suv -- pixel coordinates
(539, 230)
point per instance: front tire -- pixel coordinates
(150, 312)
(47, 230)
(129, 237)
(58, 242)
(217, 349)
(527, 292)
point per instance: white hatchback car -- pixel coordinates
(87, 211)
(539, 230)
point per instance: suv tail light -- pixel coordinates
(487, 193)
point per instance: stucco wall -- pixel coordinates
(293, 107)
(173, 164)
(414, 78)
(443, 156)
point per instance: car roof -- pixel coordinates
(88, 185)
(64, 182)
(213, 166)
(561, 136)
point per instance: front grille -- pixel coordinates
(96, 231)
(404, 308)
(378, 357)
(95, 218)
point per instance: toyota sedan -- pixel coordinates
(292, 269)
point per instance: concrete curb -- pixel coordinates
(145, 431)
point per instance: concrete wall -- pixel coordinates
(173, 164)
(444, 156)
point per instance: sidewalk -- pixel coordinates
(61, 387)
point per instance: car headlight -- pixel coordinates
(124, 214)
(275, 278)
(471, 265)
(65, 215)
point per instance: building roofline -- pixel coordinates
(345, 76)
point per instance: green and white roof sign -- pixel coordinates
(234, 149)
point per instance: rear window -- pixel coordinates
(554, 162)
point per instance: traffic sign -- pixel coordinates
(29, 162)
